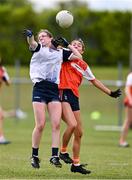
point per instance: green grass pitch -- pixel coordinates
(99, 148)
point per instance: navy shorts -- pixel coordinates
(45, 91)
(68, 96)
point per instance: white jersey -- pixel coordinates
(46, 64)
(129, 80)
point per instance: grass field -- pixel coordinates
(99, 148)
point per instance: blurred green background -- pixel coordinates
(107, 39)
(106, 34)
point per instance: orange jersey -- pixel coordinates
(72, 73)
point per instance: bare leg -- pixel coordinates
(39, 113)
(10, 113)
(1, 123)
(126, 125)
(2, 138)
(77, 138)
(55, 111)
(76, 166)
(70, 120)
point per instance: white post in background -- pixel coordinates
(17, 85)
(19, 113)
(120, 99)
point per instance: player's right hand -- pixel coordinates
(116, 93)
(28, 32)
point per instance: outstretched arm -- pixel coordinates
(106, 90)
(87, 73)
(101, 86)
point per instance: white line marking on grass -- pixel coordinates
(107, 128)
(118, 164)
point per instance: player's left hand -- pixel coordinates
(55, 43)
(116, 93)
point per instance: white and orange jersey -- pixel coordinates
(128, 85)
(72, 73)
(3, 74)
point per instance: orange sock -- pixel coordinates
(63, 149)
(76, 161)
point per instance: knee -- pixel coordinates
(73, 125)
(56, 126)
(79, 134)
(1, 117)
(125, 126)
(40, 127)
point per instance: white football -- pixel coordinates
(64, 18)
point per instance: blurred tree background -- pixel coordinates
(105, 34)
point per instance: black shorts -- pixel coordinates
(68, 96)
(45, 91)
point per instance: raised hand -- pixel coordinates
(28, 32)
(62, 41)
(55, 42)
